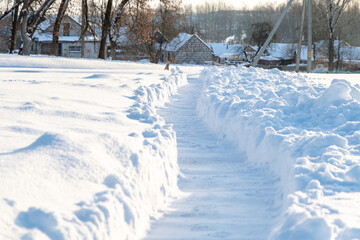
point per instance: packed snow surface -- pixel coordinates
(227, 198)
(83, 153)
(306, 133)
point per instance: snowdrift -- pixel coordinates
(306, 133)
(84, 167)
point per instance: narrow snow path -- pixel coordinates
(228, 199)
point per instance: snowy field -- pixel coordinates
(84, 153)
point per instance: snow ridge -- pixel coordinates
(148, 190)
(85, 177)
(307, 134)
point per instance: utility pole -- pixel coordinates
(298, 55)
(272, 33)
(309, 55)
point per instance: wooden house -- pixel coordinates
(69, 44)
(186, 48)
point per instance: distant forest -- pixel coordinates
(215, 22)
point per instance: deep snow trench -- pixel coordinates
(226, 197)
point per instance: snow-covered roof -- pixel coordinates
(180, 41)
(269, 58)
(286, 50)
(51, 19)
(224, 49)
(281, 50)
(47, 37)
(350, 53)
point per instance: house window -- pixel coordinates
(75, 49)
(66, 29)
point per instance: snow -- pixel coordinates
(43, 37)
(227, 198)
(269, 58)
(86, 153)
(286, 50)
(305, 133)
(225, 50)
(83, 153)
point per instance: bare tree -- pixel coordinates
(260, 33)
(105, 29)
(7, 12)
(59, 17)
(30, 21)
(84, 25)
(116, 24)
(332, 9)
(24, 25)
(14, 27)
(147, 29)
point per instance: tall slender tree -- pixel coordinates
(116, 24)
(105, 30)
(59, 17)
(14, 26)
(24, 29)
(332, 10)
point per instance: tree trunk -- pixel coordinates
(24, 34)
(338, 53)
(331, 53)
(84, 25)
(113, 46)
(115, 25)
(105, 30)
(57, 24)
(14, 28)
(314, 52)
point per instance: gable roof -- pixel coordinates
(44, 31)
(48, 23)
(225, 50)
(180, 41)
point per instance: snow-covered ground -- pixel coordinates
(84, 153)
(228, 198)
(307, 133)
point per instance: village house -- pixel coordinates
(228, 53)
(69, 44)
(186, 48)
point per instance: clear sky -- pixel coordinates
(239, 4)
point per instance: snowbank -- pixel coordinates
(75, 161)
(309, 135)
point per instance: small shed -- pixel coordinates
(187, 48)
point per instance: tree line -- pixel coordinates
(104, 18)
(333, 21)
(213, 21)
